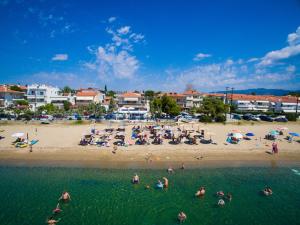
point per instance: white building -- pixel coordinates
(39, 95)
(193, 98)
(86, 96)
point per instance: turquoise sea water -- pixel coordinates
(28, 196)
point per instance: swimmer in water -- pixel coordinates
(200, 192)
(220, 193)
(65, 197)
(170, 170)
(166, 182)
(181, 217)
(135, 179)
(221, 202)
(229, 197)
(52, 221)
(57, 209)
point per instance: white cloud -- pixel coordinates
(201, 56)
(116, 59)
(124, 30)
(111, 19)
(60, 57)
(291, 69)
(294, 38)
(291, 50)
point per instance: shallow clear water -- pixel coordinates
(28, 196)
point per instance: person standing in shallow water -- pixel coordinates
(274, 148)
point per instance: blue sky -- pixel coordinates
(137, 45)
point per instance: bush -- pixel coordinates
(220, 118)
(205, 119)
(291, 117)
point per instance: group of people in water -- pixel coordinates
(222, 197)
(65, 197)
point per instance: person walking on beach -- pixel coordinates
(274, 148)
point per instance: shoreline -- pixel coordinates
(157, 160)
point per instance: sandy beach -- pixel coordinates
(58, 146)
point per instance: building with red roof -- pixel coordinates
(9, 97)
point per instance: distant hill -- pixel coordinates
(261, 91)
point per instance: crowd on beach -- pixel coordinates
(157, 135)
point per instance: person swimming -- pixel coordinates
(181, 217)
(166, 182)
(200, 192)
(57, 209)
(159, 184)
(170, 170)
(220, 193)
(65, 197)
(52, 221)
(229, 197)
(221, 202)
(267, 191)
(135, 179)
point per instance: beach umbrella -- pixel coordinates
(237, 135)
(274, 132)
(19, 134)
(249, 134)
(236, 131)
(294, 134)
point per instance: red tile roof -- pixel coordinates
(191, 92)
(86, 93)
(130, 95)
(4, 88)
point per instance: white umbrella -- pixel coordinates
(237, 135)
(20, 134)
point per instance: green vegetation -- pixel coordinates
(164, 105)
(15, 88)
(112, 105)
(22, 102)
(149, 94)
(111, 94)
(214, 108)
(67, 105)
(291, 117)
(67, 89)
(48, 108)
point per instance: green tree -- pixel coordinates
(213, 106)
(48, 108)
(67, 89)
(169, 106)
(112, 105)
(22, 102)
(111, 94)
(149, 94)
(105, 89)
(156, 106)
(67, 105)
(15, 88)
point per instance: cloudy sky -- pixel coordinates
(137, 45)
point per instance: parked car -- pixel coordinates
(281, 119)
(266, 118)
(255, 118)
(247, 116)
(236, 117)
